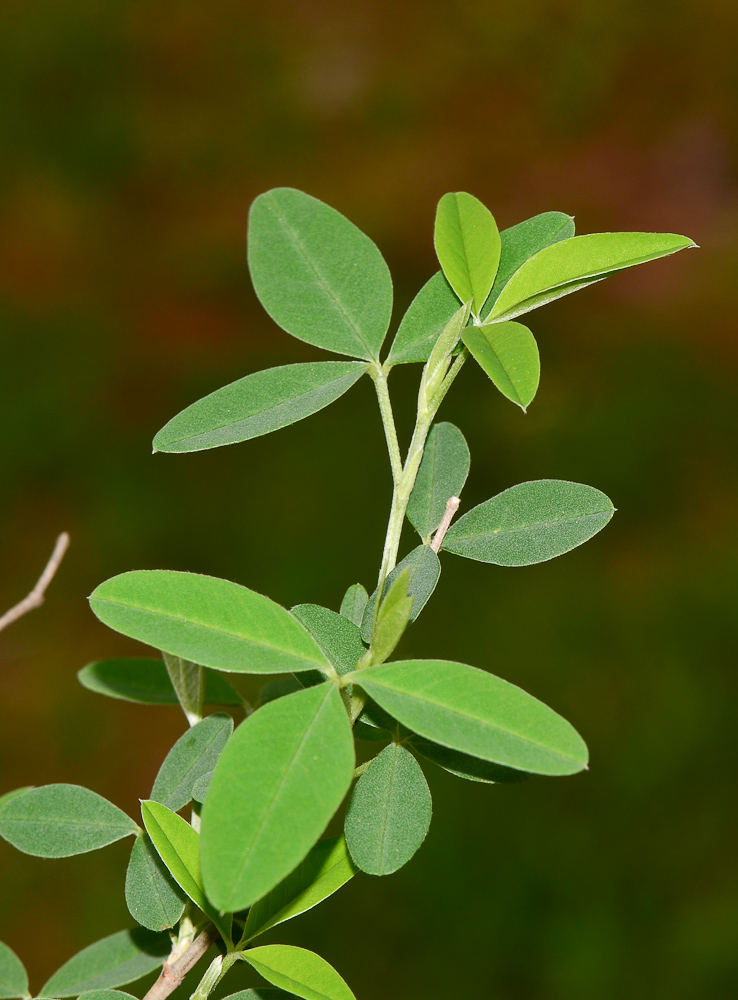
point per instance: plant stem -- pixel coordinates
(174, 971)
(36, 598)
(379, 377)
(215, 972)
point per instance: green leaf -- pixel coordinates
(178, 845)
(194, 754)
(339, 638)
(424, 568)
(354, 604)
(530, 523)
(318, 276)
(431, 310)
(153, 897)
(57, 821)
(14, 794)
(282, 686)
(325, 869)
(106, 995)
(508, 353)
(572, 264)
(13, 976)
(279, 780)
(116, 960)
(463, 766)
(467, 709)
(522, 241)
(393, 617)
(201, 786)
(389, 813)
(258, 404)
(261, 993)
(209, 621)
(298, 971)
(441, 475)
(145, 680)
(468, 246)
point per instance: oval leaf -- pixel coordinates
(461, 765)
(279, 780)
(390, 812)
(116, 960)
(353, 604)
(325, 869)
(206, 620)
(13, 976)
(477, 713)
(530, 523)
(572, 264)
(429, 313)
(339, 638)
(258, 404)
(508, 353)
(145, 681)
(318, 276)
(153, 898)
(425, 568)
(298, 971)
(194, 754)
(57, 821)
(468, 246)
(441, 475)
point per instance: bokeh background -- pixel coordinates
(134, 136)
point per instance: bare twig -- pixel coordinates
(172, 975)
(451, 507)
(36, 598)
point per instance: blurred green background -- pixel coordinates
(134, 136)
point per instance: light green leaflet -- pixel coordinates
(57, 821)
(429, 313)
(530, 523)
(318, 276)
(572, 264)
(521, 241)
(209, 621)
(392, 618)
(194, 754)
(116, 960)
(353, 604)
(424, 568)
(389, 813)
(441, 475)
(468, 246)
(477, 713)
(508, 353)
(326, 868)
(339, 638)
(153, 898)
(298, 971)
(461, 765)
(145, 680)
(279, 781)
(258, 404)
(13, 976)
(106, 995)
(178, 845)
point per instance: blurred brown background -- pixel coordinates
(134, 136)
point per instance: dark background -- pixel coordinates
(133, 136)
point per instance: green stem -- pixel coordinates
(379, 377)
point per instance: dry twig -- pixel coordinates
(36, 598)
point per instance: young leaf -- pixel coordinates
(572, 264)
(279, 780)
(508, 353)
(57, 821)
(178, 846)
(463, 766)
(298, 971)
(145, 681)
(530, 523)
(116, 960)
(325, 869)
(477, 713)
(441, 475)
(354, 603)
(429, 313)
(393, 617)
(13, 976)
(389, 813)
(195, 753)
(339, 638)
(153, 898)
(468, 246)
(188, 681)
(258, 404)
(209, 621)
(318, 276)
(521, 241)
(424, 568)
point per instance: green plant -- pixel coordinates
(250, 856)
